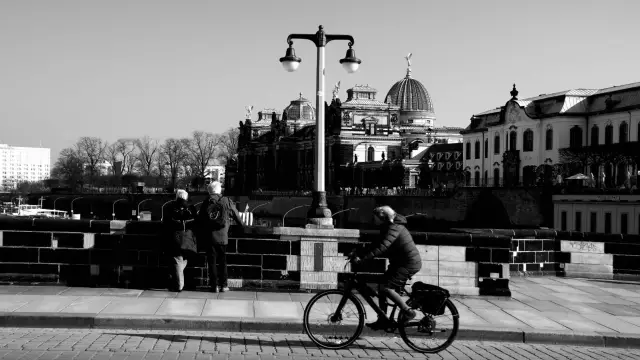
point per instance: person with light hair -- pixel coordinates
(181, 242)
(397, 245)
(214, 215)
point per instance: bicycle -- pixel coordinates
(432, 301)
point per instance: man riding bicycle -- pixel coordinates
(397, 244)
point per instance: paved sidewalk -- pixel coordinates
(541, 310)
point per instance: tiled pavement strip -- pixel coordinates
(97, 344)
(542, 310)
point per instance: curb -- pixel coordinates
(153, 322)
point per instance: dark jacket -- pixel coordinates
(219, 236)
(395, 243)
(179, 226)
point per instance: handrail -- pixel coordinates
(290, 210)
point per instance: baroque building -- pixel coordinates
(369, 142)
(591, 131)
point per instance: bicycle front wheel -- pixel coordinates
(432, 333)
(330, 330)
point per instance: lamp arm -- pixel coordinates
(311, 37)
(341, 37)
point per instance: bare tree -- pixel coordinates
(127, 149)
(68, 167)
(173, 154)
(228, 146)
(147, 152)
(202, 149)
(91, 151)
(112, 155)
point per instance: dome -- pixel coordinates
(300, 109)
(410, 95)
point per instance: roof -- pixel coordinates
(365, 102)
(410, 94)
(618, 88)
(363, 88)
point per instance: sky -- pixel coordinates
(129, 68)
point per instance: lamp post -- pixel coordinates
(319, 214)
(140, 203)
(72, 204)
(54, 201)
(113, 208)
(162, 210)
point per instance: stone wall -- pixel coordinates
(128, 254)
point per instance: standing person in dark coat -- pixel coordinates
(397, 245)
(214, 217)
(181, 243)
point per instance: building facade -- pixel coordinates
(551, 136)
(19, 164)
(609, 214)
(363, 136)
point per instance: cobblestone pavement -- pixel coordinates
(50, 344)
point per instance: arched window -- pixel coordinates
(575, 137)
(486, 178)
(513, 140)
(527, 140)
(623, 136)
(549, 139)
(486, 148)
(477, 149)
(595, 135)
(608, 135)
(370, 153)
(496, 143)
(496, 177)
(467, 151)
(477, 178)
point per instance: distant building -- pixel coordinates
(591, 131)
(18, 164)
(369, 143)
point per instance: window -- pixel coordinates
(563, 221)
(595, 135)
(477, 149)
(486, 178)
(624, 223)
(370, 153)
(638, 137)
(608, 135)
(496, 143)
(527, 140)
(468, 151)
(593, 222)
(607, 223)
(513, 140)
(486, 148)
(575, 137)
(477, 178)
(496, 177)
(578, 221)
(624, 132)
(549, 139)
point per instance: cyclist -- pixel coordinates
(397, 244)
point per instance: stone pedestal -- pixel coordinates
(319, 262)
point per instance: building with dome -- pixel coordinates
(369, 142)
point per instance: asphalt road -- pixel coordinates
(49, 344)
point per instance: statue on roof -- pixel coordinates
(336, 90)
(248, 113)
(408, 57)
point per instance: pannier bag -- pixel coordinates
(428, 298)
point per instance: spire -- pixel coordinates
(514, 93)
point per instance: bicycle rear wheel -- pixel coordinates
(431, 333)
(322, 326)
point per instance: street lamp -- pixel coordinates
(319, 213)
(54, 201)
(162, 210)
(113, 209)
(290, 210)
(140, 203)
(72, 203)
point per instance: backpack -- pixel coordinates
(216, 214)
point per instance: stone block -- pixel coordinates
(429, 268)
(591, 259)
(452, 281)
(457, 268)
(425, 279)
(452, 253)
(1, 243)
(271, 247)
(117, 226)
(19, 254)
(588, 268)
(464, 291)
(428, 252)
(88, 240)
(334, 263)
(582, 246)
(293, 262)
(306, 263)
(27, 238)
(274, 262)
(324, 277)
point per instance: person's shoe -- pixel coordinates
(379, 324)
(408, 315)
(224, 289)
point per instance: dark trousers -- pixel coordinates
(217, 263)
